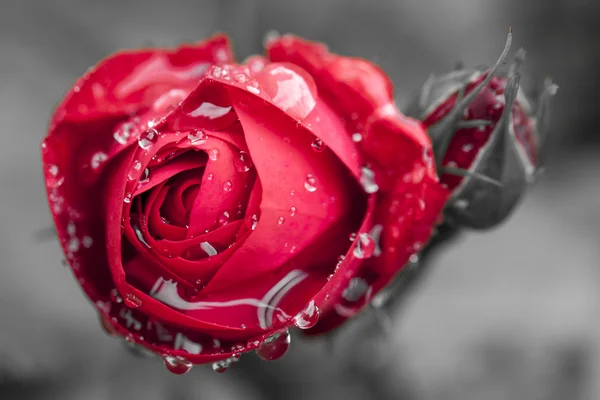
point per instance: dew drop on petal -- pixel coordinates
(177, 365)
(356, 137)
(365, 247)
(367, 180)
(197, 137)
(352, 236)
(292, 211)
(127, 198)
(132, 301)
(223, 218)
(115, 296)
(241, 78)
(292, 192)
(98, 159)
(318, 145)
(228, 186)
(243, 162)
(213, 154)
(123, 134)
(308, 317)
(467, 147)
(274, 347)
(253, 221)
(253, 90)
(145, 178)
(147, 139)
(309, 183)
(281, 220)
(53, 178)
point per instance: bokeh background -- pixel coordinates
(508, 314)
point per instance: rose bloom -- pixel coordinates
(205, 206)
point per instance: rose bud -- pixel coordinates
(206, 207)
(488, 140)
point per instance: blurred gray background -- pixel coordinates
(509, 314)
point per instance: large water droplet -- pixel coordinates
(309, 183)
(367, 180)
(177, 365)
(243, 162)
(318, 145)
(132, 301)
(308, 317)
(365, 247)
(274, 347)
(228, 186)
(252, 89)
(213, 154)
(147, 139)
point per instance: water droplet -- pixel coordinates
(177, 365)
(357, 287)
(213, 154)
(115, 297)
(243, 162)
(147, 139)
(223, 218)
(356, 137)
(308, 317)
(53, 179)
(228, 186)
(274, 347)
(467, 147)
(281, 220)
(310, 182)
(253, 221)
(241, 78)
(461, 203)
(210, 177)
(340, 260)
(132, 301)
(221, 366)
(352, 236)
(127, 198)
(97, 160)
(145, 178)
(367, 180)
(252, 89)
(197, 137)
(292, 192)
(365, 246)
(318, 145)
(124, 133)
(292, 211)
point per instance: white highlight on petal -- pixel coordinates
(166, 292)
(210, 111)
(208, 248)
(292, 91)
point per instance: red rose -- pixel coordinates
(206, 206)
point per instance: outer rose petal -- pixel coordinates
(395, 147)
